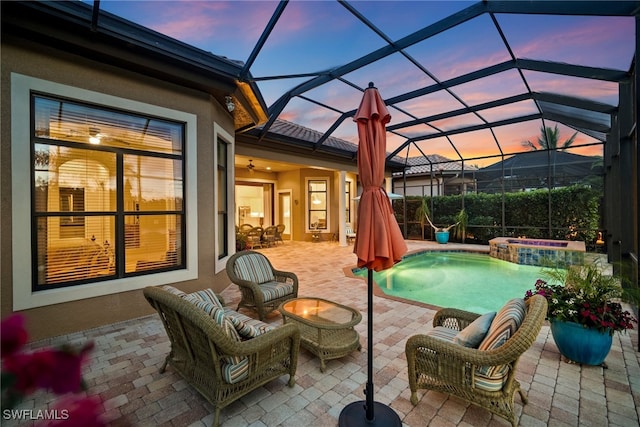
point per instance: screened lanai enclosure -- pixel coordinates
(524, 113)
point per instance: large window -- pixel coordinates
(108, 193)
(317, 203)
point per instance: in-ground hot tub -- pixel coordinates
(537, 251)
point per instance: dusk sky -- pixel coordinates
(315, 36)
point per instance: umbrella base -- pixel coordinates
(354, 415)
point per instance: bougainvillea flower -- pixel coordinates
(13, 335)
(30, 370)
(67, 376)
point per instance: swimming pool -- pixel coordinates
(469, 281)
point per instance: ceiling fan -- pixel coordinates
(251, 166)
(95, 136)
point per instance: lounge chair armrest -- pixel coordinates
(445, 350)
(282, 276)
(454, 318)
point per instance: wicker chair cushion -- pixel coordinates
(235, 372)
(472, 335)
(174, 291)
(207, 295)
(246, 326)
(217, 314)
(254, 268)
(274, 290)
(505, 324)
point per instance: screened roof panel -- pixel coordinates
(312, 60)
(414, 15)
(393, 75)
(504, 112)
(501, 85)
(468, 47)
(431, 104)
(479, 143)
(597, 90)
(572, 39)
(324, 23)
(441, 146)
(417, 131)
(335, 94)
(577, 116)
(589, 150)
(315, 116)
(511, 136)
(456, 122)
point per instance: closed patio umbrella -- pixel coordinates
(379, 242)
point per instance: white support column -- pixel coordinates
(342, 218)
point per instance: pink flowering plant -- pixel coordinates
(585, 295)
(58, 370)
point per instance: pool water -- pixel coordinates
(469, 281)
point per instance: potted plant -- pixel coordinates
(584, 310)
(441, 233)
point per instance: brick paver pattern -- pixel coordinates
(124, 368)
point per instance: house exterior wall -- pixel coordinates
(29, 59)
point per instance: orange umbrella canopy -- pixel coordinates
(379, 242)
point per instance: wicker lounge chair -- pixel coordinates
(263, 288)
(202, 350)
(435, 363)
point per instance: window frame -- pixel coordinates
(22, 240)
(308, 204)
(220, 135)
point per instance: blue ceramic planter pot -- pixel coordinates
(442, 236)
(579, 344)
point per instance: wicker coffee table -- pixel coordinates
(326, 327)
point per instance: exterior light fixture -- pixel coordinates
(229, 103)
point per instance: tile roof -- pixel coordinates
(293, 130)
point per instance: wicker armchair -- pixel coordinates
(448, 367)
(200, 347)
(263, 288)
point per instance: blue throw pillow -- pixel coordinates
(472, 335)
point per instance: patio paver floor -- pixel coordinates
(124, 368)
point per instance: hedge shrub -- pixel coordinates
(569, 213)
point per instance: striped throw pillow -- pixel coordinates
(174, 291)
(246, 326)
(207, 295)
(235, 372)
(505, 324)
(217, 314)
(254, 268)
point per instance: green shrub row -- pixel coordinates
(569, 213)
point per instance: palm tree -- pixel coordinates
(548, 140)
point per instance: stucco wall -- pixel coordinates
(27, 59)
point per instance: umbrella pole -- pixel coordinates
(369, 388)
(352, 415)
